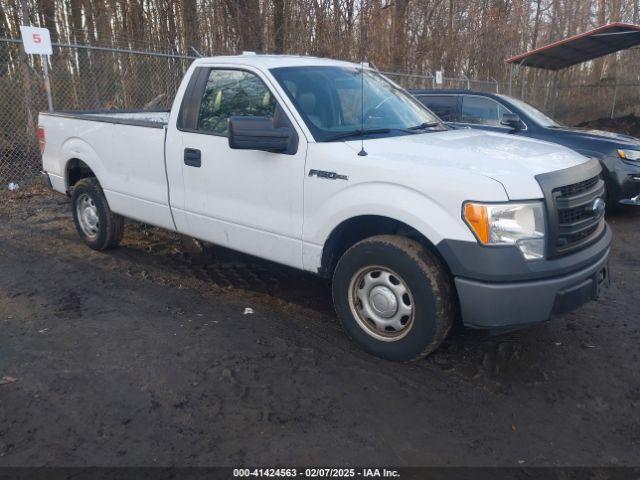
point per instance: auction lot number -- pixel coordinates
(315, 472)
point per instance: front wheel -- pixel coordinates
(393, 297)
(96, 224)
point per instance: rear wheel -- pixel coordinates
(393, 297)
(96, 224)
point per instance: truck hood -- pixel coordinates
(618, 139)
(512, 161)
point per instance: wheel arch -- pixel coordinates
(357, 228)
(75, 170)
(82, 161)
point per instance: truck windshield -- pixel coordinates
(330, 101)
(532, 112)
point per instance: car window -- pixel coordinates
(444, 106)
(335, 101)
(536, 115)
(231, 93)
(482, 111)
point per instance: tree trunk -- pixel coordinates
(399, 35)
(48, 14)
(190, 25)
(248, 24)
(278, 26)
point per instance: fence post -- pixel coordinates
(615, 98)
(47, 82)
(511, 67)
(24, 70)
(555, 92)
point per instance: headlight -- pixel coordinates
(629, 154)
(520, 224)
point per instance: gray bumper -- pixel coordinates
(45, 179)
(514, 304)
(635, 201)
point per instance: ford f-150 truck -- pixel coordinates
(329, 167)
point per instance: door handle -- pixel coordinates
(192, 157)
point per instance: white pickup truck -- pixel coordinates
(329, 167)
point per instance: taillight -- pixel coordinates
(41, 140)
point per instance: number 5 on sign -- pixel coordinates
(36, 40)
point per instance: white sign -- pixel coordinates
(439, 76)
(36, 40)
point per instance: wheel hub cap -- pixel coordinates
(88, 216)
(381, 303)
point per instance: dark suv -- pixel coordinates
(618, 154)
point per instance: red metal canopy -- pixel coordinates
(581, 48)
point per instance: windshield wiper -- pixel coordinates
(357, 133)
(424, 125)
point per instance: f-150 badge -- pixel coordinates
(327, 175)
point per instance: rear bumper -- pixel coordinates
(45, 179)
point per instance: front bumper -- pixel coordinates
(497, 289)
(623, 181)
(630, 189)
(504, 305)
(634, 201)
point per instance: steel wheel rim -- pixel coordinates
(87, 214)
(382, 303)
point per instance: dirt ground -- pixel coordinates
(145, 356)
(628, 124)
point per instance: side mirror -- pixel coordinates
(512, 120)
(259, 133)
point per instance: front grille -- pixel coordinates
(578, 222)
(576, 188)
(570, 197)
(573, 238)
(572, 215)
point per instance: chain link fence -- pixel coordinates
(570, 104)
(82, 78)
(412, 81)
(95, 78)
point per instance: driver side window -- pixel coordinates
(482, 111)
(231, 93)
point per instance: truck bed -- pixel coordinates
(125, 150)
(141, 118)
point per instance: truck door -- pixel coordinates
(247, 200)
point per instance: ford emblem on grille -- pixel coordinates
(599, 206)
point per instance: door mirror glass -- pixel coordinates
(259, 133)
(512, 120)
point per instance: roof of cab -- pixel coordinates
(273, 61)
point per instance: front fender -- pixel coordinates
(388, 200)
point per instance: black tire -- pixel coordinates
(109, 227)
(431, 296)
